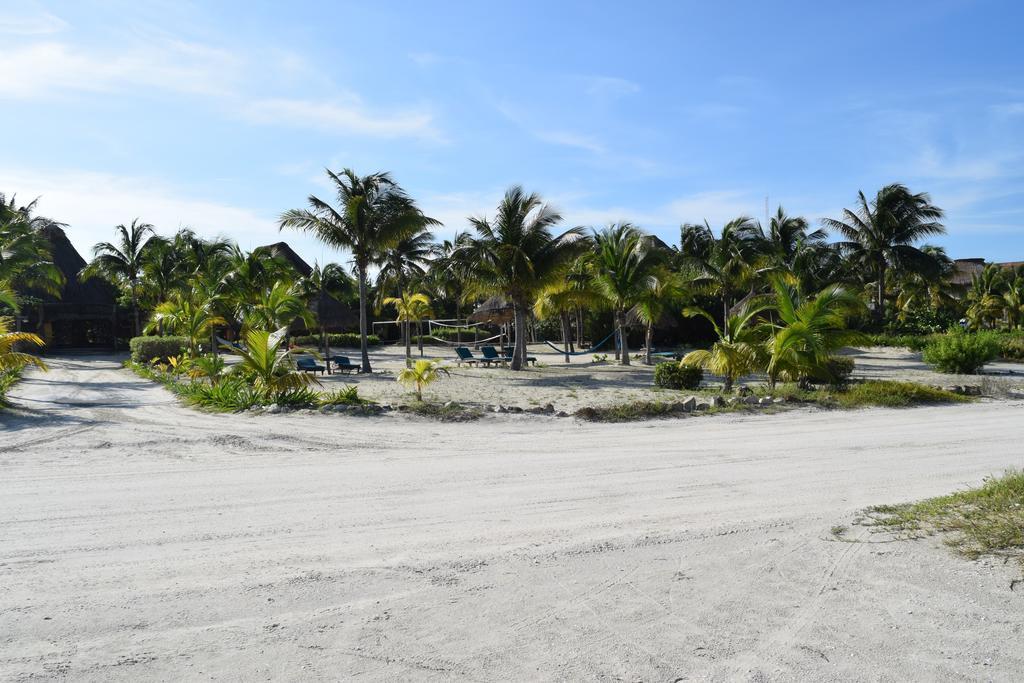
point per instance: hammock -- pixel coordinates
(593, 348)
(464, 342)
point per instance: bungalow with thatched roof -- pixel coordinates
(86, 314)
(334, 315)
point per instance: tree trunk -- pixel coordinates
(880, 307)
(458, 323)
(727, 384)
(135, 309)
(419, 336)
(579, 326)
(519, 348)
(566, 332)
(649, 337)
(364, 350)
(620, 320)
(408, 343)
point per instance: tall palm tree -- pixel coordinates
(516, 256)
(570, 294)
(662, 290)
(408, 308)
(622, 262)
(933, 290)
(880, 235)
(727, 265)
(786, 234)
(407, 260)
(121, 263)
(372, 215)
(332, 281)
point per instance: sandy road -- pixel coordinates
(142, 540)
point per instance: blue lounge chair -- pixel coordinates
(509, 350)
(343, 363)
(465, 356)
(309, 365)
(491, 355)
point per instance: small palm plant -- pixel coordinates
(422, 373)
(410, 308)
(270, 370)
(11, 360)
(188, 316)
(740, 347)
(210, 366)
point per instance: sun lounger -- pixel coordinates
(343, 363)
(309, 365)
(464, 355)
(491, 355)
(508, 350)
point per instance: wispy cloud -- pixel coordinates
(609, 86)
(570, 139)
(342, 117)
(91, 203)
(30, 24)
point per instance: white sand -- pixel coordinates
(140, 540)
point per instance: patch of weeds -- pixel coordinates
(626, 412)
(889, 394)
(838, 530)
(988, 520)
(445, 412)
(347, 396)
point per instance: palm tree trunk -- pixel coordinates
(649, 336)
(579, 326)
(364, 350)
(458, 323)
(519, 348)
(880, 308)
(563, 317)
(620, 320)
(135, 309)
(408, 343)
(419, 336)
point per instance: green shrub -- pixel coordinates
(1011, 347)
(296, 398)
(888, 394)
(230, 394)
(348, 396)
(342, 340)
(914, 342)
(626, 412)
(962, 353)
(145, 349)
(7, 380)
(836, 371)
(676, 376)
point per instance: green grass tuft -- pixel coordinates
(988, 520)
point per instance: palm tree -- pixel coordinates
(276, 308)
(622, 261)
(422, 373)
(726, 265)
(739, 349)
(406, 261)
(329, 281)
(985, 297)
(26, 261)
(516, 256)
(880, 235)
(808, 331)
(929, 290)
(121, 263)
(786, 234)
(372, 215)
(569, 295)
(662, 289)
(270, 369)
(186, 315)
(409, 308)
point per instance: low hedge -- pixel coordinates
(344, 340)
(145, 349)
(676, 376)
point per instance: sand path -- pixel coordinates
(143, 540)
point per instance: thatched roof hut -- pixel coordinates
(85, 313)
(494, 310)
(334, 315)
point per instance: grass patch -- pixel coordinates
(626, 412)
(988, 520)
(445, 412)
(887, 394)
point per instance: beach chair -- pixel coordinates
(343, 363)
(491, 355)
(508, 351)
(309, 365)
(464, 355)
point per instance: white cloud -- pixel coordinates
(609, 87)
(1009, 109)
(92, 203)
(341, 116)
(570, 139)
(51, 68)
(41, 23)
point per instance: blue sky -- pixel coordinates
(218, 116)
